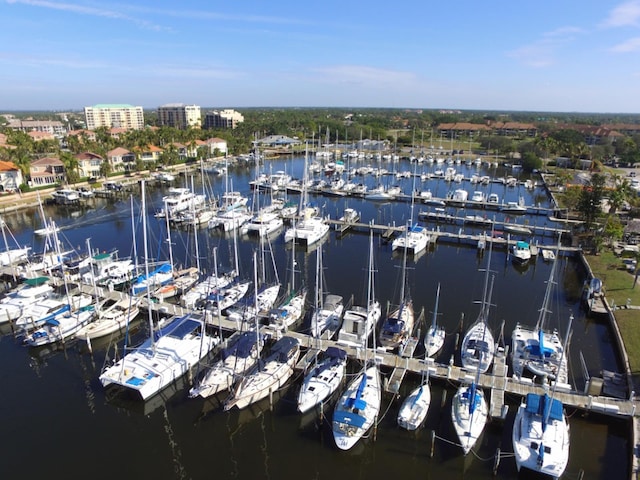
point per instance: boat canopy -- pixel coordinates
(37, 281)
(522, 244)
(179, 328)
(244, 346)
(544, 405)
(336, 352)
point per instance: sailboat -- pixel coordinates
(323, 379)
(478, 345)
(11, 256)
(434, 338)
(541, 433)
(327, 314)
(413, 410)
(540, 350)
(310, 228)
(236, 359)
(168, 353)
(33, 291)
(292, 309)
(268, 375)
(469, 413)
(398, 326)
(359, 322)
(357, 409)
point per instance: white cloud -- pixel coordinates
(541, 53)
(86, 10)
(630, 45)
(625, 14)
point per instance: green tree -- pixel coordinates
(530, 161)
(589, 204)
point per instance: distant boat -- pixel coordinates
(66, 196)
(521, 252)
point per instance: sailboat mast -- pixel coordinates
(146, 261)
(435, 310)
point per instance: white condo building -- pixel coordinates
(114, 116)
(223, 119)
(179, 115)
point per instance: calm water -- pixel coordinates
(56, 413)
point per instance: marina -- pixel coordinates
(452, 259)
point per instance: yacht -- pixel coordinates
(33, 291)
(263, 224)
(66, 196)
(521, 252)
(178, 200)
(415, 239)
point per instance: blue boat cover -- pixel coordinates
(179, 328)
(336, 353)
(540, 350)
(544, 405)
(521, 244)
(349, 418)
(356, 401)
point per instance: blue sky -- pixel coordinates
(547, 55)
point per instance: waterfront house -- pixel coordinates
(213, 144)
(46, 171)
(150, 153)
(10, 176)
(89, 164)
(121, 159)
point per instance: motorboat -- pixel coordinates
(478, 196)
(514, 208)
(241, 354)
(358, 408)
(168, 354)
(178, 200)
(540, 436)
(323, 379)
(263, 224)
(458, 197)
(469, 414)
(33, 291)
(230, 219)
(66, 196)
(111, 318)
(268, 375)
(415, 239)
(521, 252)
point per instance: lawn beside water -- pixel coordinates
(618, 285)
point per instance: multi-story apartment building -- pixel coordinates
(179, 115)
(225, 119)
(52, 127)
(118, 116)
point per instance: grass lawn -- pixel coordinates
(618, 285)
